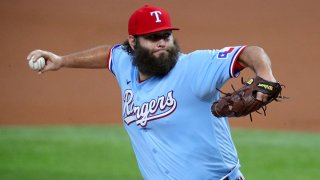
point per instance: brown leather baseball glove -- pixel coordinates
(243, 101)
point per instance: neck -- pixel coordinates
(143, 77)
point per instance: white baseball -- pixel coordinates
(38, 64)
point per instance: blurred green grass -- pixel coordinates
(278, 155)
(78, 152)
(105, 152)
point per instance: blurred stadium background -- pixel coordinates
(67, 124)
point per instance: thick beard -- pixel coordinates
(150, 65)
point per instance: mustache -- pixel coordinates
(149, 64)
(164, 49)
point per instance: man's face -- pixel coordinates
(156, 54)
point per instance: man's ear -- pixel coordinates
(132, 41)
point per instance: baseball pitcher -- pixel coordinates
(172, 107)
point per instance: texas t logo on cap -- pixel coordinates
(149, 19)
(157, 14)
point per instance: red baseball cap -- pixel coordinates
(149, 19)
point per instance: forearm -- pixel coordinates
(256, 59)
(91, 58)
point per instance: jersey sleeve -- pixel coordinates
(113, 57)
(212, 68)
(231, 55)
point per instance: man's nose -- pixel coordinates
(161, 43)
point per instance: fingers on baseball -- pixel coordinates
(37, 60)
(45, 69)
(37, 64)
(34, 55)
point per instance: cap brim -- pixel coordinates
(158, 30)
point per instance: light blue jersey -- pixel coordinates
(173, 132)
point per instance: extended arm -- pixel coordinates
(91, 58)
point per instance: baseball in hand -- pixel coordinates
(38, 64)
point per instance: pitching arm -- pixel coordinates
(92, 58)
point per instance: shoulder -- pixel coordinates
(118, 48)
(118, 52)
(197, 56)
(231, 52)
(118, 58)
(201, 53)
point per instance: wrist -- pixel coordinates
(63, 61)
(267, 76)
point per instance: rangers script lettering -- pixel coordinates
(148, 111)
